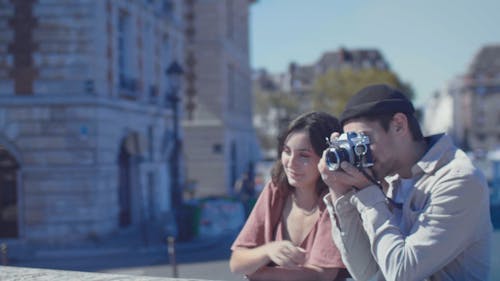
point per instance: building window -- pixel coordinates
(480, 90)
(127, 84)
(167, 58)
(231, 87)
(480, 118)
(229, 18)
(149, 55)
(150, 143)
(168, 7)
(217, 148)
(480, 137)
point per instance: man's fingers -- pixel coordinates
(349, 169)
(353, 176)
(334, 135)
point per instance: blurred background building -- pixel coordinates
(220, 144)
(467, 108)
(95, 136)
(85, 121)
(281, 97)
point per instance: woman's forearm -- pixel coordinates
(268, 273)
(247, 261)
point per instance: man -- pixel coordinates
(420, 212)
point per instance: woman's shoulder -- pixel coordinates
(275, 191)
(272, 196)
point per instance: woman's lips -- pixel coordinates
(293, 174)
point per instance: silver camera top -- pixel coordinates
(353, 147)
(353, 138)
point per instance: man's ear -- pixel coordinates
(399, 123)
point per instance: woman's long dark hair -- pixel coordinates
(319, 126)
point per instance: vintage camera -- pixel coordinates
(351, 147)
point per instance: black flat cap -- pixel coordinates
(374, 100)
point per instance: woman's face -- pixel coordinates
(300, 161)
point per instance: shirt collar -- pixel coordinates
(437, 146)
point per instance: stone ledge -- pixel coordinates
(9, 273)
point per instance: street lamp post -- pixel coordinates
(174, 74)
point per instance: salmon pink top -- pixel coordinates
(265, 224)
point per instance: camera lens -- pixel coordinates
(335, 156)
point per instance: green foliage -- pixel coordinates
(265, 101)
(284, 105)
(332, 90)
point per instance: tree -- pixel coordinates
(274, 108)
(332, 89)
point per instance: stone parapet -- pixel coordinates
(8, 273)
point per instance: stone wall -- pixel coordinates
(8, 273)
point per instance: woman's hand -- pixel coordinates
(286, 254)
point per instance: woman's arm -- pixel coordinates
(288, 258)
(246, 261)
(283, 253)
(305, 273)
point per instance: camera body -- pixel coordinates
(352, 147)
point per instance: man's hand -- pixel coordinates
(344, 179)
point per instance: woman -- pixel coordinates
(288, 234)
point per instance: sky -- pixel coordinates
(426, 42)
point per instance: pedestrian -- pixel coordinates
(421, 212)
(287, 235)
(244, 188)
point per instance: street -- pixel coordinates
(209, 263)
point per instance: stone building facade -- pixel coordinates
(481, 90)
(441, 106)
(85, 126)
(220, 144)
(469, 104)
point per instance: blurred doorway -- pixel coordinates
(124, 186)
(9, 223)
